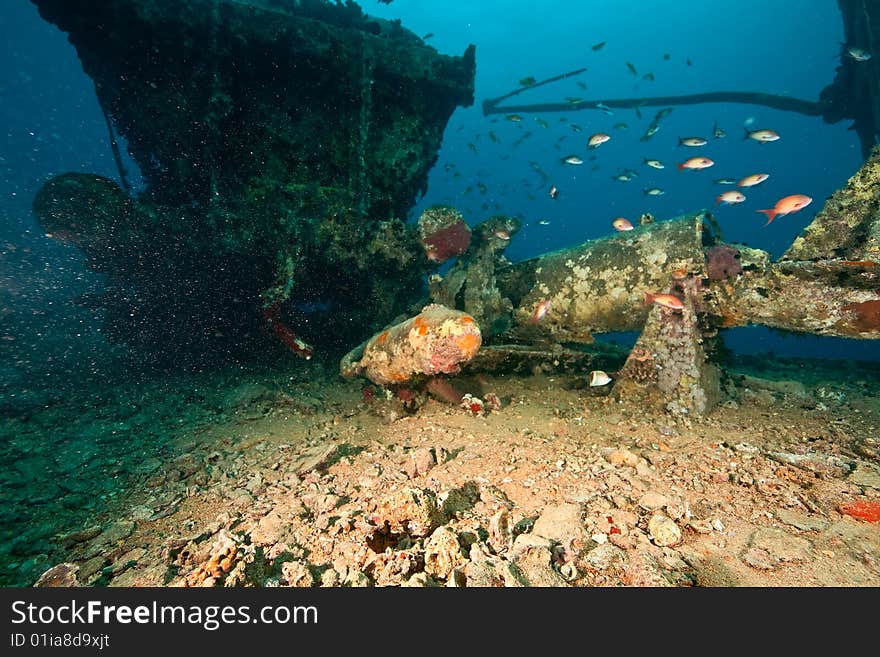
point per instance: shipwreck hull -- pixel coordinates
(290, 139)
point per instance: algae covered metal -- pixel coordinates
(827, 283)
(281, 146)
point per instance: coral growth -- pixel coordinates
(722, 261)
(473, 404)
(869, 511)
(867, 315)
(437, 340)
(444, 233)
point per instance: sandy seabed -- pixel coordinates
(273, 479)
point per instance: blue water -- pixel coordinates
(53, 124)
(752, 45)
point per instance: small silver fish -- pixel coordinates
(654, 191)
(655, 164)
(652, 130)
(858, 54)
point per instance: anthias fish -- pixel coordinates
(654, 191)
(787, 205)
(541, 311)
(666, 300)
(598, 139)
(696, 163)
(655, 164)
(731, 197)
(622, 224)
(761, 136)
(573, 159)
(691, 141)
(754, 179)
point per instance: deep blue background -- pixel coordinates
(53, 124)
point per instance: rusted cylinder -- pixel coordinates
(600, 286)
(436, 341)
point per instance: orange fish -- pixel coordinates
(754, 179)
(622, 224)
(729, 198)
(786, 206)
(598, 139)
(666, 300)
(541, 311)
(696, 163)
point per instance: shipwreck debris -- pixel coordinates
(251, 195)
(828, 283)
(436, 341)
(472, 277)
(443, 233)
(669, 367)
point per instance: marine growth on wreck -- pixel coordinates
(252, 197)
(355, 329)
